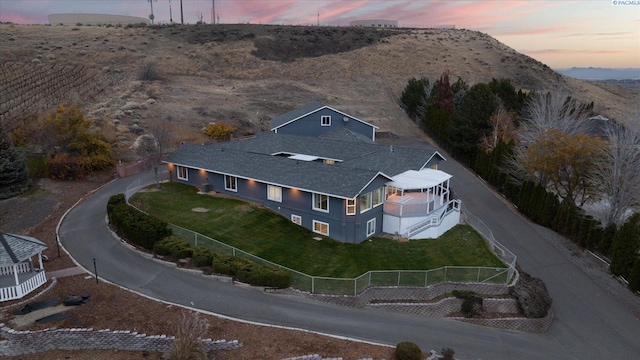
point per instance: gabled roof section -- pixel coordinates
(14, 249)
(308, 109)
(335, 180)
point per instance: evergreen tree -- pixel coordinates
(634, 276)
(445, 94)
(606, 239)
(624, 249)
(14, 178)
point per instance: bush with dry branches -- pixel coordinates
(187, 345)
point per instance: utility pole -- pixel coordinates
(318, 18)
(213, 12)
(170, 15)
(181, 15)
(151, 16)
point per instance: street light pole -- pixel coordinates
(95, 269)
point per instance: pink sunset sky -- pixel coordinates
(561, 34)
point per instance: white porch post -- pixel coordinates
(40, 260)
(15, 274)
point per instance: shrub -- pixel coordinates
(408, 351)
(187, 345)
(172, 245)
(149, 72)
(634, 277)
(447, 354)
(250, 272)
(472, 304)
(219, 131)
(202, 256)
(135, 226)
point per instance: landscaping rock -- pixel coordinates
(532, 295)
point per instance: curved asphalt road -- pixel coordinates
(590, 323)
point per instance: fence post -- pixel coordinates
(369, 285)
(478, 278)
(313, 284)
(398, 278)
(426, 276)
(355, 286)
(445, 274)
(196, 239)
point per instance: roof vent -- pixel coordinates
(390, 148)
(345, 119)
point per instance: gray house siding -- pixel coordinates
(342, 227)
(310, 125)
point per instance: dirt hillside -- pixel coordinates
(247, 74)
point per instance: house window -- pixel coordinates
(365, 202)
(325, 120)
(434, 167)
(274, 193)
(351, 206)
(230, 183)
(329, 161)
(296, 219)
(321, 202)
(183, 173)
(377, 196)
(371, 227)
(320, 227)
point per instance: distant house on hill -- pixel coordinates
(338, 183)
(377, 23)
(95, 19)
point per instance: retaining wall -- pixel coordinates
(29, 342)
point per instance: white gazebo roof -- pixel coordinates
(412, 179)
(16, 248)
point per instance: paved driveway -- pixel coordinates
(591, 323)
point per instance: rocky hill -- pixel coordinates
(127, 78)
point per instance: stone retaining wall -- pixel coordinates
(28, 342)
(395, 293)
(540, 325)
(391, 298)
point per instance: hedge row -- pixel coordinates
(250, 272)
(135, 226)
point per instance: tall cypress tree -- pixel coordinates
(624, 249)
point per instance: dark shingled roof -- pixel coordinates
(357, 162)
(336, 180)
(14, 249)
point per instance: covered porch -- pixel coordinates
(19, 275)
(418, 205)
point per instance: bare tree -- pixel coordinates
(553, 147)
(617, 175)
(162, 134)
(503, 129)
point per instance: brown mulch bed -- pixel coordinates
(111, 307)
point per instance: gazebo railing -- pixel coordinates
(27, 286)
(20, 268)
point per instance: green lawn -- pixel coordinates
(271, 236)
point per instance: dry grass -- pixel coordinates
(224, 72)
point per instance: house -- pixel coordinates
(339, 184)
(316, 119)
(18, 275)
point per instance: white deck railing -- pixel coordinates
(435, 219)
(17, 292)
